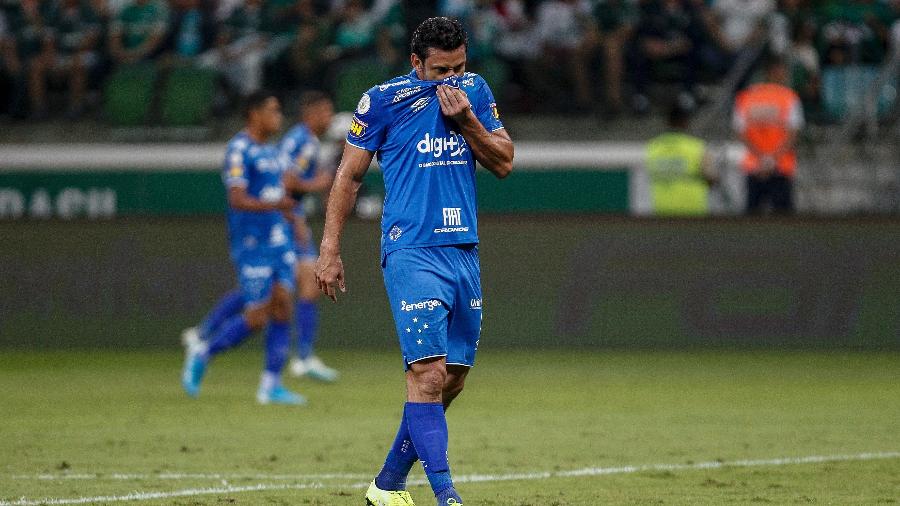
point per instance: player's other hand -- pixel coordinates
(454, 102)
(330, 275)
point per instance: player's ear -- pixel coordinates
(417, 64)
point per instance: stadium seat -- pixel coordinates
(128, 94)
(354, 79)
(187, 97)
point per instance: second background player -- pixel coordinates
(301, 149)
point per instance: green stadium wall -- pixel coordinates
(549, 281)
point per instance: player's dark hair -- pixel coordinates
(438, 33)
(256, 100)
(311, 98)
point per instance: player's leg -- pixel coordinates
(453, 384)
(414, 292)
(423, 318)
(464, 327)
(255, 279)
(278, 335)
(306, 316)
(232, 332)
(434, 384)
(425, 416)
(229, 305)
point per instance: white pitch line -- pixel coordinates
(471, 478)
(168, 476)
(149, 496)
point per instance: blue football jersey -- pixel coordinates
(300, 152)
(258, 168)
(429, 170)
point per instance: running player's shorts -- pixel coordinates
(306, 252)
(260, 268)
(435, 296)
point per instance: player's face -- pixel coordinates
(269, 117)
(320, 116)
(440, 64)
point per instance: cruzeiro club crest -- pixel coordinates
(364, 103)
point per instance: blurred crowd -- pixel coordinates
(544, 55)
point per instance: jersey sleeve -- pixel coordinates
(235, 172)
(297, 153)
(368, 128)
(304, 160)
(485, 107)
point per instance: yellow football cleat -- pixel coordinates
(377, 497)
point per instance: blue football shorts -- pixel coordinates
(435, 297)
(259, 269)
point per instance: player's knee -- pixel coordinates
(281, 304)
(454, 386)
(308, 292)
(429, 381)
(257, 317)
(280, 309)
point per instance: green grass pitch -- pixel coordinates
(534, 428)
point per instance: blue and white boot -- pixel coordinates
(195, 361)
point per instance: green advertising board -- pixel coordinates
(109, 193)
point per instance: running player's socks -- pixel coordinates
(229, 305)
(399, 461)
(447, 494)
(231, 333)
(307, 314)
(428, 431)
(269, 380)
(278, 344)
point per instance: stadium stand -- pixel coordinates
(575, 56)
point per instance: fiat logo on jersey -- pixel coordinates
(455, 144)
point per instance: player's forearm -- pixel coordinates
(240, 201)
(492, 149)
(340, 202)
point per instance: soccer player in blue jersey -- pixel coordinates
(261, 250)
(428, 128)
(300, 148)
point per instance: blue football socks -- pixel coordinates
(428, 431)
(229, 305)
(307, 314)
(231, 333)
(278, 343)
(399, 461)
(447, 494)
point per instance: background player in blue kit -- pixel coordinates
(301, 148)
(261, 249)
(428, 128)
